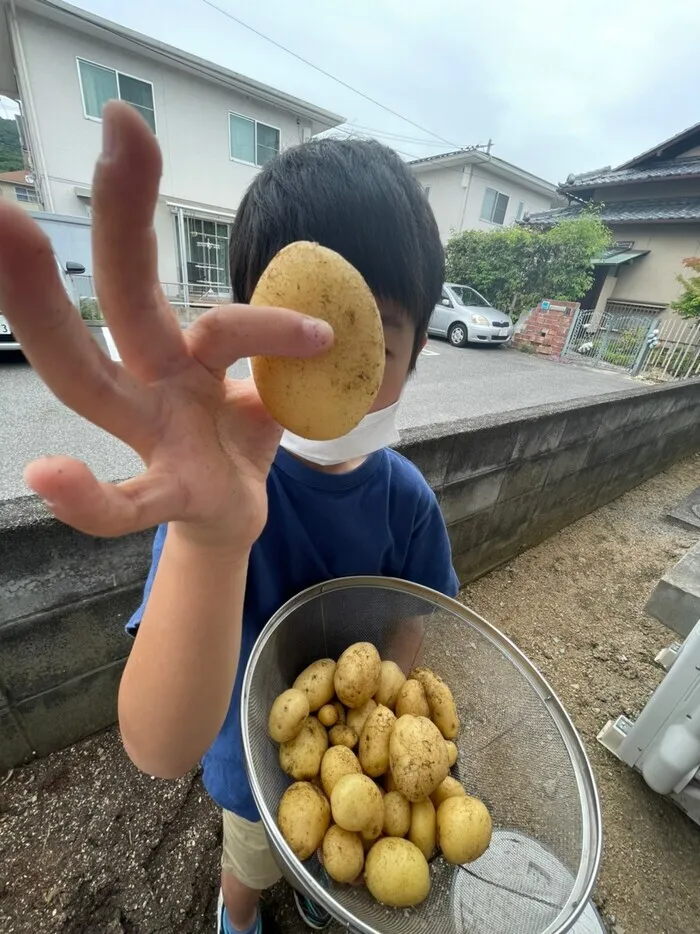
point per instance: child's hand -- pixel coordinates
(206, 440)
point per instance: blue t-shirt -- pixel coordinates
(381, 519)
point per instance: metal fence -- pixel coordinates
(608, 340)
(188, 302)
(674, 352)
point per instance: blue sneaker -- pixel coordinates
(265, 925)
(311, 914)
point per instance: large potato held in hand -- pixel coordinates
(390, 681)
(326, 396)
(357, 804)
(336, 762)
(287, 715)
(343, 854)
(357, 674)
(316, 682)
(374, 742)
(443, 710)
(417, 757)
(304, 817)
(301, 757)
(464, 829)
(397, 873)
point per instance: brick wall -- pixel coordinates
(547, 326)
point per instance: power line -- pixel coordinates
(327, 74)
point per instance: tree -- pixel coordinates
(10, 149)
(688, 304)
(517, 267)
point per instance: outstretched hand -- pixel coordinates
(206, 440)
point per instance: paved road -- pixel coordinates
(450, 383)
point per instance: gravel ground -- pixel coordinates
(90, 846)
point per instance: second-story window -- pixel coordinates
(251, 141)
(99, 85)
(28, 195)
(494, 206)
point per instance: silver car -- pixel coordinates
(463, 316)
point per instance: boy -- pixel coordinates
(249, 526)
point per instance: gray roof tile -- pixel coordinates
(672, 168)
(621, 212)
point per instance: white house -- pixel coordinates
(215, 127)
(474, 190)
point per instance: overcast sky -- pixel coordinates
(559, 85)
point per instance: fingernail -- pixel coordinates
(109, 136)
(318, 331)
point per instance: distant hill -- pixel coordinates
(10, 151)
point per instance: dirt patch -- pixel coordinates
(88, 845)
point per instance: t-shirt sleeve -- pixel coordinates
(429, 558)
(133, 625)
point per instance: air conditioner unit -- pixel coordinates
(664, 741)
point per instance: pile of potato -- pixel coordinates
(370, 752)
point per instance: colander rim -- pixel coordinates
(591, 815)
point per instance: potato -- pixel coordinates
(341, 712)
(301, 757)
(326, 396)
(417, 757)
(443, 710)
(374, 742)
(423, 830)
(357, 718)
(391, 679)
(357, 674)
(397, 873)
(328, 715)
(450, 788)
(343, 735)
(411, 700)
(287, 715)
(337, 761)
(464, 829)
(452, 752)
(343, 854)
(357, 804)
(389, 782)
(304, 817)
(397, 815)
(316, 682)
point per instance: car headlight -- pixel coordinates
(481, 320)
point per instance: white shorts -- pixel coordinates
(246, 853)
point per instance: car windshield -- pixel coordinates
(467, 296)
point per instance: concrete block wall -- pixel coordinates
(503, 484)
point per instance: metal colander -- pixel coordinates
(518, 752)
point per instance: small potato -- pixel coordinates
(343, 735)
(391, 679)
(328, 715)
(397, 815)
(337, 761)
(374, 742)
(417, 757)
(464, 829)
(357, 804)
(423, 830)
(304, 817)
(301, 757)
(443, 710)
(343, 854)
(411, 700)
(356, 718)
(450, 788)
(397, 873)
(287, 715)
(342, 716)
(316, 682)
(357, 674)
(452, 753)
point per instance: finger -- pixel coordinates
(227, 333)
(74, 495)
(125, 192)
(57, 343)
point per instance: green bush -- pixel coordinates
(90, 310)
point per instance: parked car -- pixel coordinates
(464, 316)
(8, 342)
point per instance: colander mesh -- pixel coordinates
(512, 755)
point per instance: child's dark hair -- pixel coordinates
(355, 197)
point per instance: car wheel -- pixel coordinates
(458, 335)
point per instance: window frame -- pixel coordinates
(489, 220)
(117, 72)
(30, 191)
(520, 212)
(255, 122)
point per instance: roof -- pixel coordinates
(82, 21)
(688, 167)
(647, 210)
(669, 149)
(461, 157)
(21, 177)
(617, 257)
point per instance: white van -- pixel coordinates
(8, 342)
